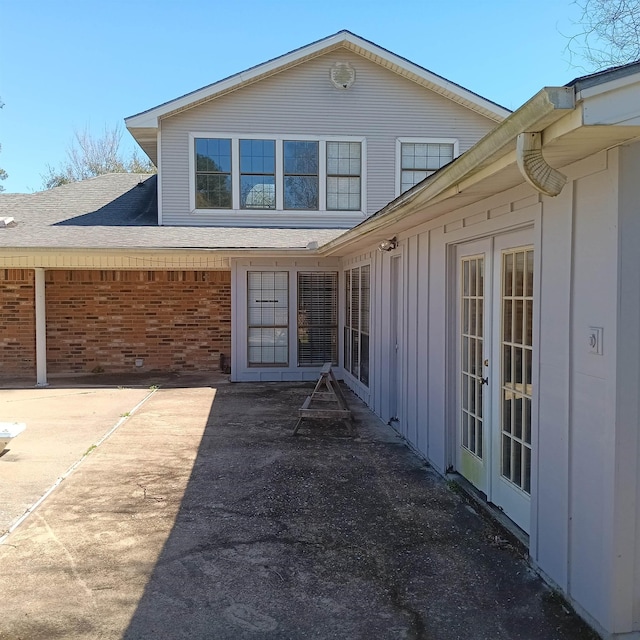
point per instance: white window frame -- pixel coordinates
(236, 214)
(275, 326)
(399, 142)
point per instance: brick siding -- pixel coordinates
(17, 323)
(103, 321)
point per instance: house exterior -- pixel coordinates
(472, 275)
(272, 161)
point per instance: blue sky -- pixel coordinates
(70, 65)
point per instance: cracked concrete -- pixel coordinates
(202, 517)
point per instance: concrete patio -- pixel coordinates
(200, 516)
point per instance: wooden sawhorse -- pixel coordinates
(327, 391)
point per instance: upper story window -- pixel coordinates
(213, 173)
(344, 166)
(265, 173)
(419, 158)
(257, 174)
(301, 174)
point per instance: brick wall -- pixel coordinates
(102, 321)
(17, 323)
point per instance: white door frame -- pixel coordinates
(497, 489)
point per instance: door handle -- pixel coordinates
(483, 380)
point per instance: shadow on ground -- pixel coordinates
(325, 536)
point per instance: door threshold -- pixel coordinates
(496, 514)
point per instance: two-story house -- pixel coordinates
(471, 273)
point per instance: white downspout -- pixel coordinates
(41, 330)
(534, 168)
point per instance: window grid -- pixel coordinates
(301, 178)
(343, 176)
(420, 159)
(268, 318)
(472, 328)
(213, 173)
(257, 174)
(356, 329)
(517, 370)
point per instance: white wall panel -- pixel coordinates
(552, 499)
(626, 543)
(592, 417)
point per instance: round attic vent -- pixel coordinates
(343, 75)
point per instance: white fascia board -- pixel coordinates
(612, 103)
(161, 259)
(149, 119)
(606, 87)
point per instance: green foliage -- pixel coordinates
(89, 156)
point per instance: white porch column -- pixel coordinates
(41, 330)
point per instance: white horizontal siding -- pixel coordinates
(380, 106)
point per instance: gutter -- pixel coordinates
(547, 106)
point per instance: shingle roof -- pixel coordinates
(120, 210)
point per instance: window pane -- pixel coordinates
(301, 192)
(365, 297)
(257, 192)
(411, 178)
(420, 159)
(343, 194)
(301, 158)
(213, 154)
(364, 359)
(343, 158)
(213, 191)
(268, 317)
(257, 174)
(257, 156)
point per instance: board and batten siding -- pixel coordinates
(381, 106)
(585, 512)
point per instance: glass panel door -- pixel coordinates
(494, 377)
(517, 356)
(513, 393)
(472, 376)
(472, 342)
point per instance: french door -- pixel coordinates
(494, 370)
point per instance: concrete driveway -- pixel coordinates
(200, 516)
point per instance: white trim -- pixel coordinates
(242, 371)
(247, 217)
(399, 142)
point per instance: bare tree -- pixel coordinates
(609, 32)
(89, 156)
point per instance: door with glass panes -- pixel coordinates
(494, 370)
